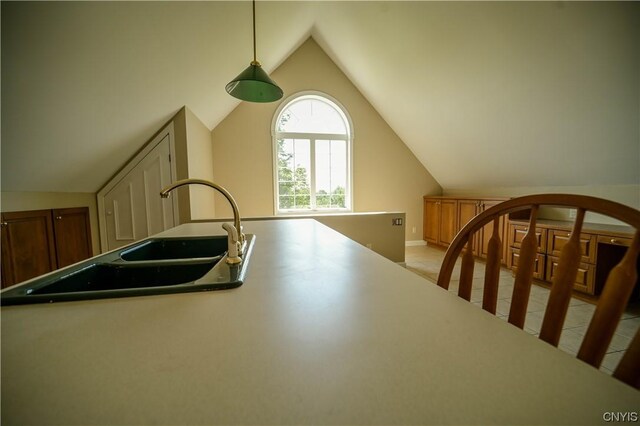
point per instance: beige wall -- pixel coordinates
(387, 176)
(194, 159)
(181, 163)
(200, 166)
(18, 201)
(373, 230)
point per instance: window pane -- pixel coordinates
(285, 202)
(311, 115)
(294, 163)
(323, 166)
(338, 173)
(331, 173)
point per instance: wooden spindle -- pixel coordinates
(466, 272)
(492, 272)
(562, 284)
(628, 370)
(615, 296)
(524, 274)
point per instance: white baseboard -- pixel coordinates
(415, 243)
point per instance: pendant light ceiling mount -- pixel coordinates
(254, 84)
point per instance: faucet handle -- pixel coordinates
(232, 242)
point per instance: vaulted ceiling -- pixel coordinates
(484, 94)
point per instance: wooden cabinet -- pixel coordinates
(467, 210)
(486, 232)
(431, 220)
(584, 279)
(440, 224)
(515, 235)
(602, 247)
(444, 217)
(39, 241)
(538, 266)
(558, 238)
(72, 232)
(28, 245)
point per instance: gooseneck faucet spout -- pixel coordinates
(236, 239)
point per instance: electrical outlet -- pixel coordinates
(572, 213)
(397, 221)
(369, 246)
(413, 230)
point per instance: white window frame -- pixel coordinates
(312, 137)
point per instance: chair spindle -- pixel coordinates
(492, 272)
(615, 296)
(524, 274)
(466, 273)
(562, 284)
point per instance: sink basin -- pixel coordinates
(176, 248)
(154, 266)
(105, 276)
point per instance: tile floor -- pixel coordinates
(425, 261)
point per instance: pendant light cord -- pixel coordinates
(255, 60)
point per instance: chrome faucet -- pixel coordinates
(235, 237)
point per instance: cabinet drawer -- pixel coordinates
(616, 241)
(538, 267)
(556, 240)
(517, 233)
(584, 279)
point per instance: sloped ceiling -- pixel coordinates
(484, 94)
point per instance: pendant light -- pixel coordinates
(253, 84)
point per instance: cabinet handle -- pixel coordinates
(5, 224)
(614, 241)
(58, 217)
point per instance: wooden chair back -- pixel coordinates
(615, 294)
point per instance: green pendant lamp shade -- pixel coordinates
(253, 84)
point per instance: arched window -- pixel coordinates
(312, 138)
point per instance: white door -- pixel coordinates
(133, 208)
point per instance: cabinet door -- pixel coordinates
(431, 225)
(487, 230)
(28, 247)
(467, 210)
(448, 221)
(72, 235)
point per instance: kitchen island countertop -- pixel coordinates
(323, 331)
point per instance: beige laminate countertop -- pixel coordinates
(323, 331)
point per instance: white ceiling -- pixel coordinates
(484, 94)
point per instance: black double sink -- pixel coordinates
(153, 266)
